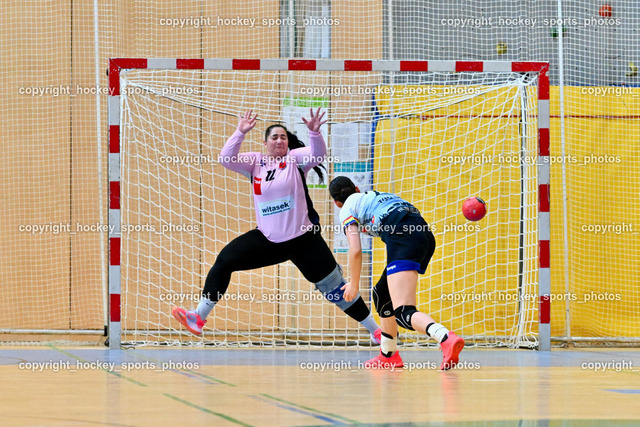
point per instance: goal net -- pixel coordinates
(433, 137)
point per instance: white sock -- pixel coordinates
(437, 331)
(370, 324)
(388, 345)
(205, 305)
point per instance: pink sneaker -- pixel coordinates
(189, 319)
(451, 348)
(376, 337)
(383, 362)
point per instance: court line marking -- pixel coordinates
(117, 374)
(307, 410)
(299, 411)
(208, 411)
(210, 378)
(623, 390)
(310, 409)
(188, 375)
(23, 417)
(190, 371)
(185, 402)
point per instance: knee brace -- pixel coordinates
(330, 288)
(403, 315)
(382, 299)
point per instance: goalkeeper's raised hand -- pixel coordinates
(314, 123)
(246, 122)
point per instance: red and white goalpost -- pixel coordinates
(435, 132)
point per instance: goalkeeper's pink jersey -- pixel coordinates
(283, 207)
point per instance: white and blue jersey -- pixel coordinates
(410, 244)
(369, 210)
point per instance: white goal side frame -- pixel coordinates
(118, 65)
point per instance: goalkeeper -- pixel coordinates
(288, 225)
(410, 245)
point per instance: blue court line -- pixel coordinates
(300, 411)
(188, 372)
(309, 409)
(204, 377)
(208, 411)
(192, 375)
(623, 391)
(117, 374)
(293, 357)
(176, 398)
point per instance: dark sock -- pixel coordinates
(358, 310)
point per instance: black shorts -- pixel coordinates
(410, 246)
(309, 252)
(410, 242)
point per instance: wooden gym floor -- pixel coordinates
(60, 386)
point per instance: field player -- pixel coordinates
(410, 245)
(287, 222)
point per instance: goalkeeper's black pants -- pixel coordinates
(309, 252)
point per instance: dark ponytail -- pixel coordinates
(294, 143)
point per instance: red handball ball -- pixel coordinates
(606, 11)
(474, 209)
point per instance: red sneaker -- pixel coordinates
(377, 336)
(451, 348)
(189, 319)
(383, 362)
